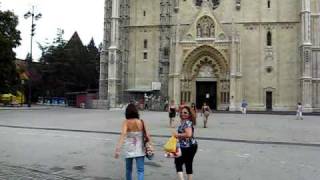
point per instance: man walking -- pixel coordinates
(244, 105)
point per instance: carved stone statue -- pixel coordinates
(212, 30)
(199, 34)
(205, 30)
(205, 27)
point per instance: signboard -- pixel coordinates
(156, 86)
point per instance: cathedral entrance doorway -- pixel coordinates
(206, 92)
(205, 78)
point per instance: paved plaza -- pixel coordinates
(68, 143)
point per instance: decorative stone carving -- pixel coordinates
(205, 71)
(251, 27)
(198, 2)
(222, 36)
(268, 54)
(206, 68)
(215, 3)
(188, 37)
(269, 26)
(287, 26)
(307, 55)
(205, 27)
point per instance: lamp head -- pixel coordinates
(38, 16)
(27, 15)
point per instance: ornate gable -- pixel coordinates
(205, 26)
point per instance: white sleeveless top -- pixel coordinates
(133, 145)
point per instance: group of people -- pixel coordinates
(173, 110)
(132, 137)
(134, 131)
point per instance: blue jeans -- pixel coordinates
(139, 165)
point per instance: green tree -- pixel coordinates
(93, 64)
(69, 66)
(9, 39)
(53, 67)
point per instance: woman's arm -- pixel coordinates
(147, 131)
(121, 139)
(187, 133)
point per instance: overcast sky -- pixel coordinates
(83, 16)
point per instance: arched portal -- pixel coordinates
(205, 78)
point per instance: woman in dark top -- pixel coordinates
(187, 142)
(172, 113)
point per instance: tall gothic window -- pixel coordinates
(205, 27)
(145, 56)
(269, 38)
(145, 44)
(269, 3)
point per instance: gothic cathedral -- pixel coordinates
(221, 52)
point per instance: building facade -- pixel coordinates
(266, 52)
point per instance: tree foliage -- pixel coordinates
(69, 66)
(9, 39)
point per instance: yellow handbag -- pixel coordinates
(171, 145)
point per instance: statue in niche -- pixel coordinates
(212, 30)
(209, 30)
(205, 30)
(205, 27)
(199, 34)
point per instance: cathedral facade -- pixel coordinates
(221, 52)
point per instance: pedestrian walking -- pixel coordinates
(172, 113)
(146, 101)
(132, 133)
(194, 109)
(299, 111)
(166, 105)
(187, 143)
(206, 112)
(244, 105)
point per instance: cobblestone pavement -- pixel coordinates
(23, 173)
(40, 154)
(10, 172)
(44, 154)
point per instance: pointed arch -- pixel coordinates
(204, 55)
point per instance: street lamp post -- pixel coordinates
(34, 17)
